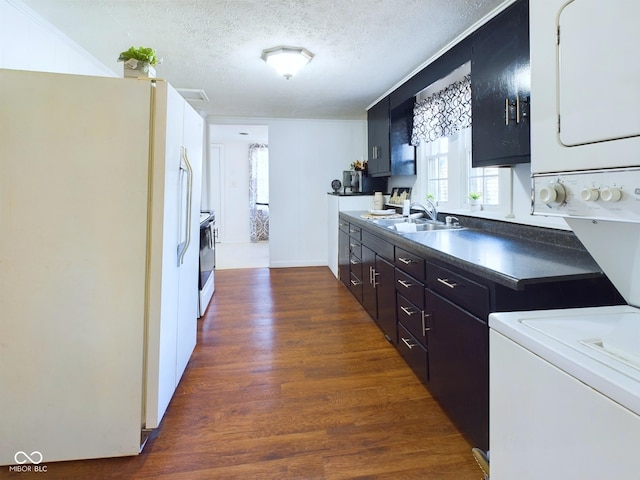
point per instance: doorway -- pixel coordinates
(228, 180)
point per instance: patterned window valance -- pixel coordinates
(443, 113)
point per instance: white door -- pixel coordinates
(193, 135)
(584, 95)
(74, 157)
(165, 238)
(598, 91)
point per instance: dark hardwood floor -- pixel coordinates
(291, 380)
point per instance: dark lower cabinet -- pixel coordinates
(369, 292)
(413, 353)
(436, 315)
(386, 296)
(343, 255)
(459, 366)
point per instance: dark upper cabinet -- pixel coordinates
(378, 126)
(500, 89)
(403, 154)
(389, 137)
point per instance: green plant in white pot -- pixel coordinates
(474, 200)
(139, 62)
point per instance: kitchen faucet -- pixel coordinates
(432, 211)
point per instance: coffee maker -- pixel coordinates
(357, 181)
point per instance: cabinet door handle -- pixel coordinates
(406, 261)
(373, 277)
(517, 108)
(406, 284)
(447, 282)
(408, 311)
(506, 111)
(406, 342)
(425, 329)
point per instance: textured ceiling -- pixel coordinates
(362, 47)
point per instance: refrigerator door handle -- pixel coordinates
(185, 165)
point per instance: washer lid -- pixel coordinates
(584, 342)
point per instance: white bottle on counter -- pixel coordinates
(378, 201)
(406, 208)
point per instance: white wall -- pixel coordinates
(233, 220)
(304, 157)
(28, 42)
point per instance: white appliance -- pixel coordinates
(565, 385)
(207, 263)
(99, 207)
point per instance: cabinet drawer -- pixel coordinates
(410, 263)
(343, 225)
(356, 266)
(355, 231)
(355, 285)
(355, 248)
(460, 290)
(410, 288)
(382, 248)
(412, 318)
(413, 353)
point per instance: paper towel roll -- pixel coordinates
(406, 209)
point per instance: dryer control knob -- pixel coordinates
(589, 194)
(611, 194)
(552, 194)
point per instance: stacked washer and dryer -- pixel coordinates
(565, 384)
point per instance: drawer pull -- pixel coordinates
(406, 342)
(407, 311)
(355, 262)
(354, 245)
(405, 284)
(406, 261)
(447, 282)
(355, 284)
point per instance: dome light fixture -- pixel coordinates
(287, 61)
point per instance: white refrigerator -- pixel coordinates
(99, 217)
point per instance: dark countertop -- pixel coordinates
(510, 261)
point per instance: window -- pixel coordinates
(438, 169)
(485, 180)
(442, 134)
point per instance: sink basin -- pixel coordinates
(417, 225)
(390, 222)
(422, 227)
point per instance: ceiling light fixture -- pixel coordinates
(287, 61)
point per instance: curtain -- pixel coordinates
(443, 113)
(258, 192)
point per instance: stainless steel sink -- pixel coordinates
(421, 225)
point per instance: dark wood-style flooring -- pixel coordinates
(291, 380)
